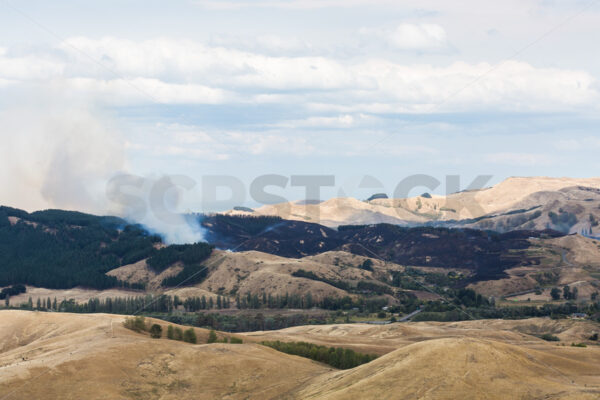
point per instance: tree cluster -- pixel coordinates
(556, 311)
(567, 293)
(335, 356)
(59, 250)
(189, 254)
(307, 301)
(312, 276)
(12, 291)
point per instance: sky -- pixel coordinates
(196, 90)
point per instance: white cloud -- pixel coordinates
(289, 4)
(187, 137)
(341, 121)
(7, 82)
(411, 36)
(194, 142)
(291, 138)
(146, 90)
(422, 36)
(511, 86)
(30, 67)
(187, 72)
(263, 44)
(193, 62)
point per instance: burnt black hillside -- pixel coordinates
(485, 253)
(270, 235)
(61, 249)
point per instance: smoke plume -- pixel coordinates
(56, 155)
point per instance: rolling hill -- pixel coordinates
(253, 272)
(279, 257)
(460, 368)
(569, 210)
(483, 252)
(508, 205)
(66, 356)
(52, 355)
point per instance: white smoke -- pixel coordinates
(178, 229)
(155, 202)
(58, 155)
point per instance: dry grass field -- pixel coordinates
(512, 193)
(67, 356)
(74, 356)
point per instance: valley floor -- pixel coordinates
(92, 356)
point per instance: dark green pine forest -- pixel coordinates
(61, 249)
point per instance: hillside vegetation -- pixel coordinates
(61, 249)
(447, 273)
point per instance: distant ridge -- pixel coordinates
(515, 193)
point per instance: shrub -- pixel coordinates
(190, 336)
(578, 345)
(170, 332)
(378, 196)
(136, 324)
(594, 337)
(234, 340)
(447, 209)
(156, 331)
(549, 337)
(212, 336)
(367, 265)
(373, 287)
(178, 333)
